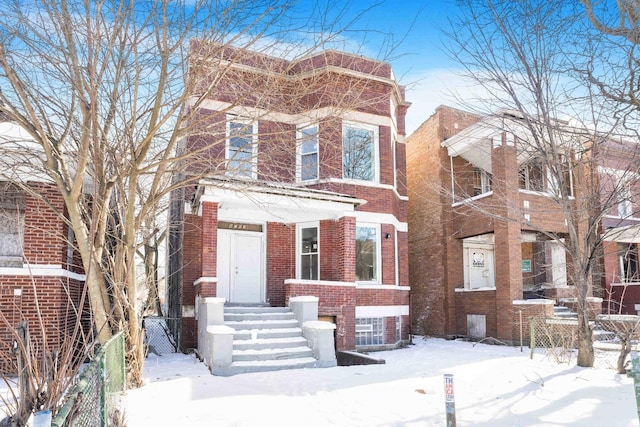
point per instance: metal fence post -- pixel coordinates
(532, 336)
(103, 389)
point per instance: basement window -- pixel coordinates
(369, 331)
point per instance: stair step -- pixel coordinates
(262, 324)
(566, 315)
(243, 367)
(602, 335)
(560, 308)
(241, 317)
(248, 334)
(272, 354)
(259, 344)
(260, 309)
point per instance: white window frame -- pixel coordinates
(623, 264)
(12, 215)
(254, 146)
(376, 149)
(525, 166)
(300, 135)
(299, 254)
(552, 185)
(624, 206)
(485, 181)
(378, 255)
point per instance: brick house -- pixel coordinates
(486, 229)
(619, 182)
(301, 191)
(39, 276)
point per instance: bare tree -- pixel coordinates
(526, 59)
(108, 90)
(614, 69)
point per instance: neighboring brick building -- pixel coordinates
(39, 278)
(303, 193)
(485, 227)
(619, 182)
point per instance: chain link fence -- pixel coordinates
(557, 339)
(159, 339)
(95, 395)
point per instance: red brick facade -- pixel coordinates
(450, 224)
(45, 289)
(262, 214)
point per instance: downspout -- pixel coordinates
(453, 191)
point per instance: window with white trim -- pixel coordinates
(241, 147)
(628, 262)
(308, 153)
(532, 176)
(309, 253)
(481, 181)
(623, 194)
(367, 253)
(359, 152)
(12, 204)
(369, 331)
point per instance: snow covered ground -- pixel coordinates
(494, 387)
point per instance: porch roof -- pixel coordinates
(627, 234)
(258, 200)
(474, 143)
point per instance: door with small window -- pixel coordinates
(479, 269)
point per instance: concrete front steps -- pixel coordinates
(266, 339)
(598, 333)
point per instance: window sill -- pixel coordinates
(625, 283)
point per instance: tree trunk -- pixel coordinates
(625, 349)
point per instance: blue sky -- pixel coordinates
(419, 62)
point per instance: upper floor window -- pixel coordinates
(625, 208)
(531, 176)
(628, 262)
(308, 153)
(359, 152)
(241, 147)
(11, 225)
(481, 181)
(561, 175)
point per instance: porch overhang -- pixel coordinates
(474, 143)
(627, 234)
(272, 202)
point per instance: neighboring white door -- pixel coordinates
(479, 267)
(556, 258)
(240, 266)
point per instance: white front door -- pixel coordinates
(240, 266)
(479, 267)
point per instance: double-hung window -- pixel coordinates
(241, 148)
(368, 253)
(359, 152)
(481, 181)
(308, 153)
(625, 208)
(532, 176)
(12, 204)
(628, 262)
